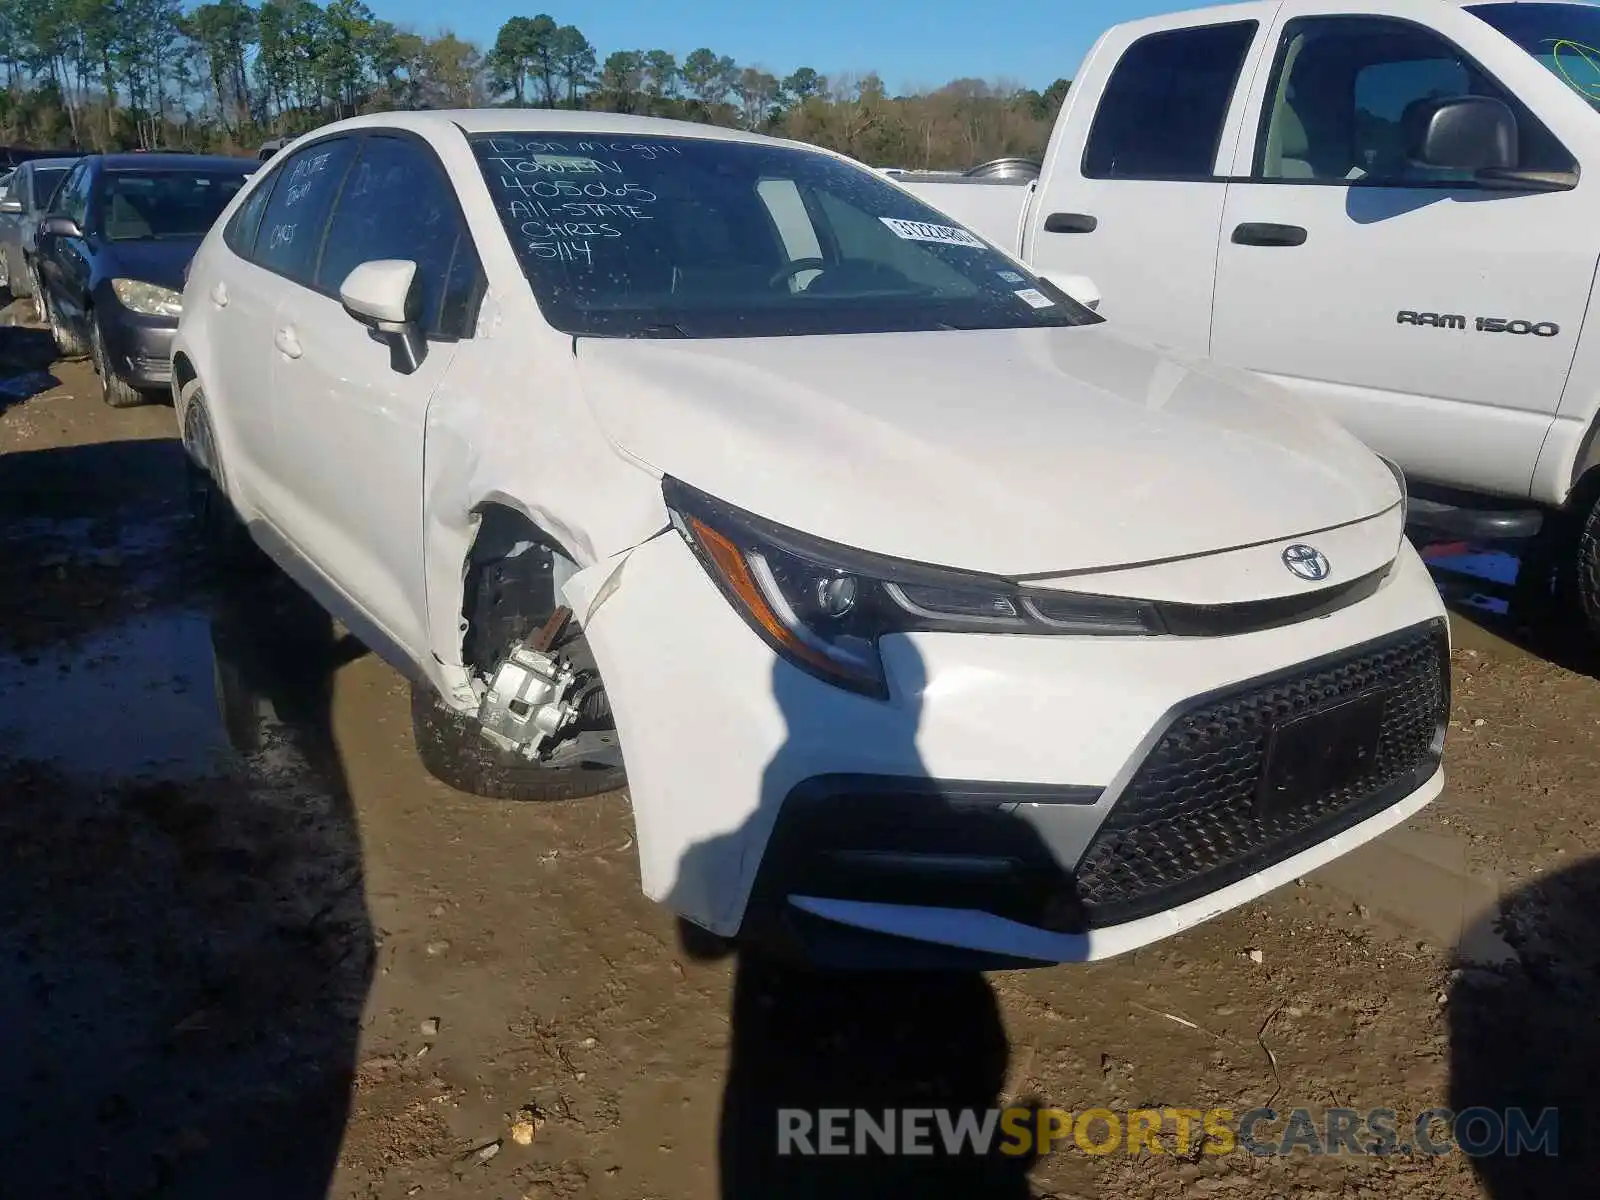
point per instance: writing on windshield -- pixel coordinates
(708, 237)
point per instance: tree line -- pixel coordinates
(224, 76)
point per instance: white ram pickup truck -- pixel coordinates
(1379, 204)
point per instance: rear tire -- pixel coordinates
(115, 391)
(223, 536)
(454, 751)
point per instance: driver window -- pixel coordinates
(1347, 95)
(72, 201)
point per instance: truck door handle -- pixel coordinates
(219, 295)
(1071, 223)
(286, 341)
(1264, 233)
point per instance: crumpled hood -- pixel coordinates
(1006, 451)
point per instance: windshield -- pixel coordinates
(160, 205)
(44, 184)
(635, 236)
(1565, 38)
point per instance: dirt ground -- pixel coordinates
(248, 948)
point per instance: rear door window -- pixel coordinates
(242, 227)
(296, 215)
(1164, 106)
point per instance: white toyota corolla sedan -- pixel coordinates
(935, 621)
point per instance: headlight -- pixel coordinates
(1400, 478)
(824, 606)
(148, 299)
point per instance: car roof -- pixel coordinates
(48, 163)
(173, 162)
(546, 120)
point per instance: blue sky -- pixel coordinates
(910, 43)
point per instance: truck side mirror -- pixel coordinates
(1463, 133)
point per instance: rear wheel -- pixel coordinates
(114, 390)
(223, 536)
(454, 751)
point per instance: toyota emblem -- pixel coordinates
(1306, 561)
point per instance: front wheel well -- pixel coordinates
(511, 584)
(183, 372)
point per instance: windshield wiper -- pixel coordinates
(664, 329)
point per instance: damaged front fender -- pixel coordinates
(562, 479)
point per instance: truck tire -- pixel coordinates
(1579, 590)
(114, 390)
(454, 751)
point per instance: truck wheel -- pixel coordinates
(1578, 589)
(454, 751)
(114, 390)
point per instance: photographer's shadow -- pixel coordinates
(1525, 1039)
(811, 1038)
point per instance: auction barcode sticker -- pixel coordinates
(921, 231)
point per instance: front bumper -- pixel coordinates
(139, 348)
(751, 781)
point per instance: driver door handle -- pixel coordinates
(1265, 233)
(286, 342)
(219, 295)
(1071, 223)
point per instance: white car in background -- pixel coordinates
(935, 621)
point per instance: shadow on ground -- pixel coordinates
(1524, 1039)
(1491, 587)
(26, 356)
(184, 941)
(879, 1043)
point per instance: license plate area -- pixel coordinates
(1320, 752)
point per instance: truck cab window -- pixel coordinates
(1164, 106)
(1345, 97)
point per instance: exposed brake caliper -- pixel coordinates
(529, 701)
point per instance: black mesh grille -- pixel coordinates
(1189, 821)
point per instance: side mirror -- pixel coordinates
(1463, 133)
(11, 204)
(59, 227)
(1080, 287)
(383, 295)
